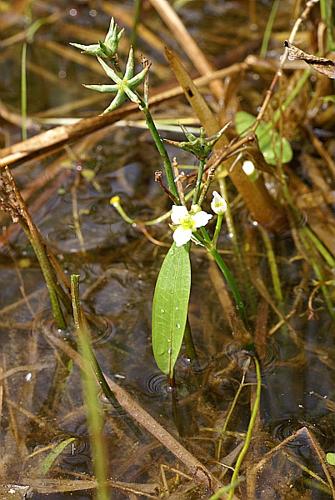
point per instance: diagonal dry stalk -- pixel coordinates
(258, 200)
(200, 473)
(48, 142)
(198, 58)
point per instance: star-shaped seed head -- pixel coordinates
(107, 48)
(123, 87)
(201, 146)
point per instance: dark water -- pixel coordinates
(118, 267)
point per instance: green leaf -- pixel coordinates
(53, 455)
(271, 144)
(330, 457)
(169, 307)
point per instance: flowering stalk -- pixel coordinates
(197, 190)
(217, 230)
(161, 149)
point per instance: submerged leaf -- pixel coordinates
(271, 144)
(169, 308)
(330, 457)
(50, 459)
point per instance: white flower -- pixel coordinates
(187, 223)
(219, 204)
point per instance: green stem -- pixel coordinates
(268, 28)
(319, 246)
(319, 274)
(228, 416)
(161, 149)
(80, 322)
(230, 280)
(90, 392)
(272, 264)
(250, 429)
(189, 344)
(24, 91)
(196, 194)
(294, 93)
(217, 229)
(137, 16)
(326, 15)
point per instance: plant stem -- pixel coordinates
(90, 392)
(197, 190)
(326, 15)
(137, 15)
(230, 281)
(272, 264)
(217, 229)
(319, 246)
(80, 320)
(161, 149)
(250, 428)
(228, 416)
(191, 353)
(268, 28)
(319, 274)
(24, 91)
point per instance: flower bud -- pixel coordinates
(219, 204)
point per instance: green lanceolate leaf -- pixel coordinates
(271, 144)
(169, 308)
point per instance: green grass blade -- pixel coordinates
(169, 308)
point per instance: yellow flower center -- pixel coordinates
(188, 223)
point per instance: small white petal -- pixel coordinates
(248, 167)
(201, 218)
(178, 213)
(219, 204)
(182, 236)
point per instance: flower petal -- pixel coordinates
(178, 213)
(182, 236)
(219, 204)
(201, 218)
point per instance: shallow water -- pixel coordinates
(118, 267)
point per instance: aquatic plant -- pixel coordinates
(172, 291)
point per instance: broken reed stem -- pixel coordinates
(258, 200)
(95, 421)
(13, 203)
